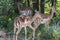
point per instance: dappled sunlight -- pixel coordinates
(9, 10)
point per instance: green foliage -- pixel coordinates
(8, 11)
(56, 30)
(7, 14)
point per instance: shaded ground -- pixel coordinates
(22, 38)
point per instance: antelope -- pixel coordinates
(25, 10)
(24, 21)
(45, 18)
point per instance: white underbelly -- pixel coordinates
(25, 24)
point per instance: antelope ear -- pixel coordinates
(53, 7)
(37, 11)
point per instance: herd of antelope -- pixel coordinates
(28, 17)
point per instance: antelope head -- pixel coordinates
(26, 11)
(53, 9)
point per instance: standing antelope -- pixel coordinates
(45, 18)
(25, 10)
(24, 21)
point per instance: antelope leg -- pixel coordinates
(33, 35)
(18, 31)
(33, 32)
(25, 33)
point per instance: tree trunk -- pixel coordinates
(52, 1)
(28, 3)
(42, 3)
(34, 4)
(37, 2)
